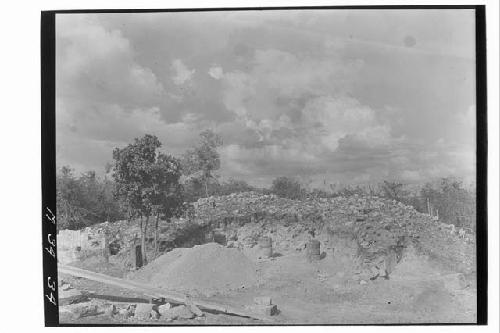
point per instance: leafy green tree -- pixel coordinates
(200, 162)
(84, 200)
(455, 204)
(234, 186)
(68, 200)
(287, 188)
(350, 191)
(133, 173)
(168, 198)
(147, 183)
(393, 190)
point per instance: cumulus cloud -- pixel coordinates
(98, 64)
(182, 73)
(292, 95)
(216, 72)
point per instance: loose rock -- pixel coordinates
(164, 307)
(110, 310)
(178, 312)
(71, 296)
(196, 310)
(143, 311)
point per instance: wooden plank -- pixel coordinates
(170, 296)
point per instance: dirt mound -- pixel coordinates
(415, 266)
(204, 269)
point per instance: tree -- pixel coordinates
(287, 187)
(454, 203)
(134, 172)
(84, 200)
(234, 186)
(393, 190)
(69, 199)
(200, 162)
(168, 192)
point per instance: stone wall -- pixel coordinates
(73, 245)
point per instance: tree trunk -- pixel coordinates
(206, 187)
(143, 240)
(156, 234)
(142, 233)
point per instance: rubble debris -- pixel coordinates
(368, 224)
(72, 245)
(143, 311)
(370, 232)
(155, 315)
(125, 313)
(164, 307)
(111, 310)
(80, 310)
(65, 286)
(177, 312)
(263, 306)
(264, 310)
(196, 310)
(71, 296)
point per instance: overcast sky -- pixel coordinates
(350, 96)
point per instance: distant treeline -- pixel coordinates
(85, 200)
(145, 182)
(88, 199)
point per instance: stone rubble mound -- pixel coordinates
(379, 227)
(369, 229)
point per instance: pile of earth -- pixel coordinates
(202, 270)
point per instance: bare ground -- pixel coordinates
(320, 293)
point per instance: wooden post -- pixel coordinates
(136, 257)
(105, 249)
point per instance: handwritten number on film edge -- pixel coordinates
(51, 250)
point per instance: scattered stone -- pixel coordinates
(143, 311)
(71, 296)
(196, 310)
(110, 310)
(178, 312)
(81, 310)
(155, 315)
(264, 310)
(66, 286)
(164, 307)
(125, 313)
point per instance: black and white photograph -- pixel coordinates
(294, 166)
